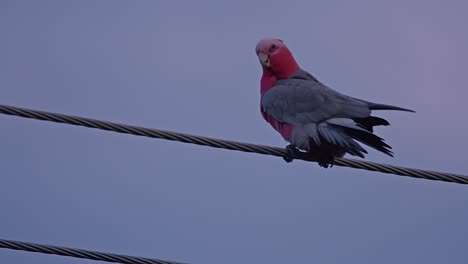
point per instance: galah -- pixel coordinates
(312, 117)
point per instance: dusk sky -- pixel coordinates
(191, 67)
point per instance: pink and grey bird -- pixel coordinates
(311, 116)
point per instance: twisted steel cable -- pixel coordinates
(226, 144)
(79, 253)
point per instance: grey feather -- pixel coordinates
(346, 122)
(338, 137)
(300, 101)
(300, 138)
(312, 132)
(319, 114)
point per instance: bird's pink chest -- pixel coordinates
(283, 128)
(266, 83)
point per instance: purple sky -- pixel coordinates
(191, 67)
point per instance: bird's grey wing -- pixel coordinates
(300, 101)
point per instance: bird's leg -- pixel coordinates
(290, 153)
(326, 161)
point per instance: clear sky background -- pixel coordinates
(190, 66)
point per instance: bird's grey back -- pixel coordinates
(302, 99)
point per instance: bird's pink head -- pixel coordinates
(275, 58)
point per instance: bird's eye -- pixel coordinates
(273, 47)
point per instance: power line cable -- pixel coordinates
(79, 253)
(225, 144)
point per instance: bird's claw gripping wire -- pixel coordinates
(327, 162)
(324, 161)
(291, 153)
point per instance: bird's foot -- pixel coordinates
(290, 153)
(326, 162)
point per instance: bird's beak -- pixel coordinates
(264, 59)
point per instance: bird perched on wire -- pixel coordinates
(311, 116)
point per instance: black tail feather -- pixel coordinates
(371, 140)
(371, 121)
